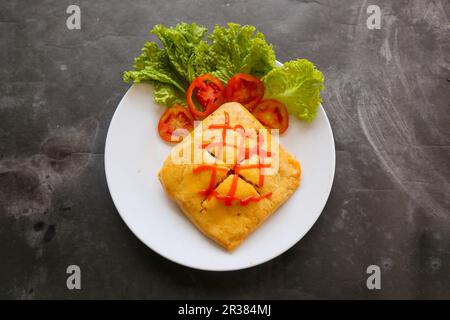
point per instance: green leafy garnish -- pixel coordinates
(154, 66)
(297, 84)
(237, 49)
(168, 95)
(167, 68)
(179, 44)
(186, 55)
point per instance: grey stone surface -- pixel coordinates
(387, 96)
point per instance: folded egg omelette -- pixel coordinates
(223, 178)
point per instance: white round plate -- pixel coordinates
(134, 154)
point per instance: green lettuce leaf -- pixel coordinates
(180, 43)
(185, 55)
(154, 65)
(234, 49)
(201, 61)
(167, 68)
(168, 95)
(297, 84)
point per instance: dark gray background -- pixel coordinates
(387, 96)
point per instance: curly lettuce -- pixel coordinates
(180, 43)
(236, 49)
(297, 84)
(168, 95)
(201, 61)
(153, 65)
(167, 68)
(186, 54)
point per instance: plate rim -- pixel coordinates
(193, 265)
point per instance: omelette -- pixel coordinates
(229, 175)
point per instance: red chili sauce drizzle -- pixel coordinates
(231, 195)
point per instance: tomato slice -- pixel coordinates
(175, 118)
(209, 93)
(272, 114)
(245, 89)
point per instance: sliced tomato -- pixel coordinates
(209, 93)
(173, 119)
(272, 114)
(245, 89)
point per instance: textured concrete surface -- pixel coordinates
(387, 97)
